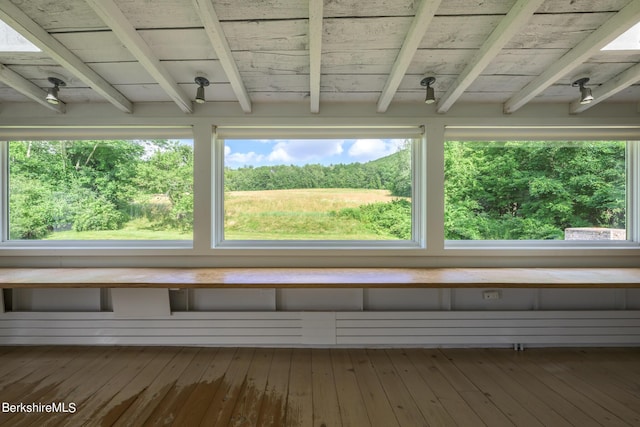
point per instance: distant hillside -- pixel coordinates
(387, 173)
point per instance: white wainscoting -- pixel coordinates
(318, 328)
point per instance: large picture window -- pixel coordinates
(536, 190)
(100, 189)
(332, 189)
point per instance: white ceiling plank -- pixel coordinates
(515, 20)
(28, 89)
(591, 45)
(424, 14)
(613, 86)
(223, 51)
(315, 52)
(24, 25)
(122, 28)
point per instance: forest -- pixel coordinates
(493, 190)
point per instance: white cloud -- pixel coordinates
(370, 149)
(241, 159)
(303, 150)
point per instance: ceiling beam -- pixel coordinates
(122, 28)
(31, 31)
(28, 89)
(610, 88)
(315, 52)
(616, 25)
(424, 14)
(220, 44)
(513, 22)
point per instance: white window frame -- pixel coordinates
(36, 133)
(559, 133)
(416, 133)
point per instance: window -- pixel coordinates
(536, 190)
(100, 189)
(329, 189)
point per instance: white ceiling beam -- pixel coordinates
(220, 44)
(424, 14)
(315, 52)
(31, 31)
(615, 26)
(122, 28)
(28, 89)
(610, 88)
(518, 16)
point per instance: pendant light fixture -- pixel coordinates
(52, 93)
(586, 96)
(431, 94)
(202, 82)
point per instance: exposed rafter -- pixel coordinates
(424, 14)
(315, 52)
(30, 30)
(220, 44)
(122, 28)
(517, 17)
(28, 89)
(610, 88)
(611, 29)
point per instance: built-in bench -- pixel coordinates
(319, 277)
(138, 309)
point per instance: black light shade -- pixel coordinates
(585, 93)
(52, 93)
(431, 93)
(202, 82)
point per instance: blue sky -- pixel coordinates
(243, 152)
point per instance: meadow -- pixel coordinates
(299, 214)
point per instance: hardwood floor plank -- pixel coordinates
(423, 395)
(221, 407)
(247, 408)
(299, 406)
(64, 383)
(402, 403)
(109, 413)
(508, 361)
(18, 363)
(457, 407)
(147, 399)
(155, 386)
(467, 363)
(325, 399)
(582, 402)
(273, 408)
(197, 402)
(114, 385)
(543, 412)
(353, 411)
(177, 398)
(598, 392)
(375, 398)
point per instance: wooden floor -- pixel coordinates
(152, 386)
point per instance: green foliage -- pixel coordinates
(392, 173)
(386, 219)
(532, 190)
(93, 185)
(169, 172)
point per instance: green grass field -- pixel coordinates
(305, 214)
(301, 214)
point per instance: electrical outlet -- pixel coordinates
(493, 294)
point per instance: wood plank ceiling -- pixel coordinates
(314, 51)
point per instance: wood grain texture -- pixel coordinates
(320, 277)
(408, 387)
